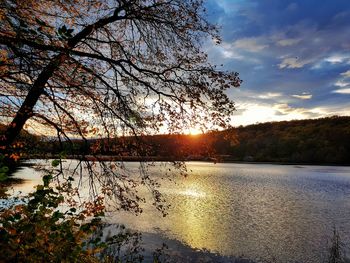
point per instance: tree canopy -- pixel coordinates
(104, 69)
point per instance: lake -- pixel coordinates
(269, 212)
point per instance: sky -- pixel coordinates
(292, 55)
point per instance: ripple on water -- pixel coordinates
(257, 210)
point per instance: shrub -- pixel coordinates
(39, 231)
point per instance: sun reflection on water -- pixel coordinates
(193, 206)
(193, 193)
(251, 210)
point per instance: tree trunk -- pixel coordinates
(26, 110)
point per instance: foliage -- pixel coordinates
(105, 68)
(100, 69)
(108, 69)
(3, 169)
(123, 247)
(322, 140)
(39, 231)
(42, 227)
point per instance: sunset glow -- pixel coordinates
(195, 131)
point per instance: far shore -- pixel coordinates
(214, 159)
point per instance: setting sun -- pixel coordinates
(195, 131)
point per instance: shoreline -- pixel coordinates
(219, 159)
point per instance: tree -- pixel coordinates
(103, 69)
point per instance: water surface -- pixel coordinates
(260, 211)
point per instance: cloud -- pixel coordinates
(346, 74)
(249, 44)
(285, 109)
(288, 42)
(334, 60)
(338, 58)
(288, 112)
(250, 113)
(342, 91)
(282, 50)
(341, 84)
(303, 96)
(293, 63)
(227, 51)
(270, 95)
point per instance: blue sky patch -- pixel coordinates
(293, 56)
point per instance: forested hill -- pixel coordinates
(319, 141)
(325, 140)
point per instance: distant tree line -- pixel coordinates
(325, 140)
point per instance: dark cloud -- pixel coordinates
(297, 49)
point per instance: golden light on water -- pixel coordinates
(193, 193)
(239, 209)
(194, 204)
